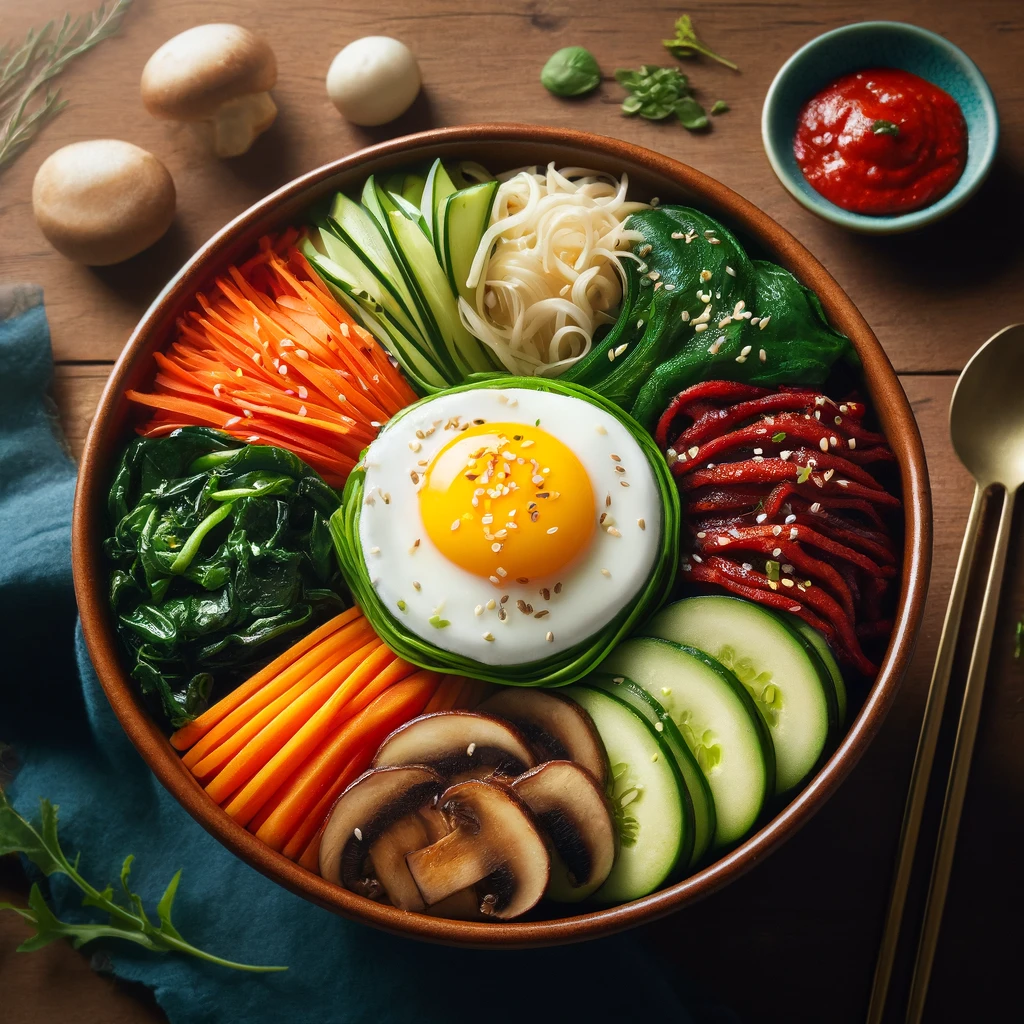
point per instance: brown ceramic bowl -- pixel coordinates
(498, 146)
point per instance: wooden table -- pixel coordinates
(794, 940)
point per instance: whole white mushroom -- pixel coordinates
(373, 80)
(102, 201)
(217, 77)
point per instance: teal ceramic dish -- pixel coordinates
(879, 44)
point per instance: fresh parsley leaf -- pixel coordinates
(657, 93)
(686, 44)
(41, 845)
(803, 474)
(778, 437)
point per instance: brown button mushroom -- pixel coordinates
(458, 745)
(102, 201)
(218, 77)
(574, 816)
(493, 845)
(372, 827)
(556, 727)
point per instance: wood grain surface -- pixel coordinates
(794, 941)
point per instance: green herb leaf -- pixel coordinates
(25, 70)
(437, 622)
(885, 128)
(720, 107)
(771, 570)
(803, 474)
(686, 44)
(41, 845)
(691, 114)
(571, 71)
(779, 437)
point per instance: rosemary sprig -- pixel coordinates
(25, 70)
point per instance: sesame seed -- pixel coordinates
(615, 458)
(776, 530)
(763, 356)
(358, 833)
(776, 552)
(700, 327)
(607, 500)
(611, 356)
(541, 613)
(550, 637)
(282, 369)
(416, 585)
(764, 323)
(374, 551)
(495, 547)
(754, 321)
(790, 519)
(761, 517)
(787, 582)
(698, 559)
(659, 726)
(623, 483)
(478, 610)
(491, 605)
(494, 580)
(823, 444)
(618, 680)
(785, 455)
(828, 474)
(794, 533)
(654, 757)
(852, 442)
(613, 531)
(730, 271)
(620, 350)
(834, 441)
(600, 429)
(489, 637)
(234, 419)
(605, 572)
(641, 524)
(502, 615)
(552, 529)
(501, 572)
(456, 524)
(684, 316)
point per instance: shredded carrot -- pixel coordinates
(270, 356)
(326, 777)
(189, 734)
(445, 695)
(288, 715)
(237, 729)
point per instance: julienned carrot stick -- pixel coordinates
(304, 845)
(320, 786)
(287, 716)
(299, 743)
(187, 735)
(227, 737)
(445, 693)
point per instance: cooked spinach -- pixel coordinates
(221, 553)
(695, 306)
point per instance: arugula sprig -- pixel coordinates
(127, 917)
(656, 93)
(686, 44)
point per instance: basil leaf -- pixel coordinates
(691, 114)
(571, 71)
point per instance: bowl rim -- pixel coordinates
(871, 224)
(897, 420)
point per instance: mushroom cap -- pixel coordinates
(458, 744)
(200, 69)
(373, 80)
(556, 726)
(371, 805)
(574, 813)
(102, 201)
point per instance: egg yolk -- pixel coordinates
(508, 500)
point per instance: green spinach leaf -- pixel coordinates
(220, 554)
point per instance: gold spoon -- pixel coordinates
(986, 422)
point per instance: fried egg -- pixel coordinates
(507, 525)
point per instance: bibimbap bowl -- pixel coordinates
(498, 147)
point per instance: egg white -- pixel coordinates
(595, 587)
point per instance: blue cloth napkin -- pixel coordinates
(72, 750)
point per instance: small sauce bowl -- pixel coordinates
(879, 44)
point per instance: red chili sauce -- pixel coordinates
(881, 141)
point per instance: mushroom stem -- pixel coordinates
(237, 123)
(455, 862)
(388, 857)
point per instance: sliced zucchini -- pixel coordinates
(652, 812)
(436, 188)
(776, 667)
(463, 219)
(718, 720)
(696, 783)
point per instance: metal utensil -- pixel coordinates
(986, 422)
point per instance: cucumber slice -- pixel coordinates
(694, 780)
(436, 188)
(822, 649)
(463, 219)
(772, 663)
(655, 824)
(463, 348)
(718, 720)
